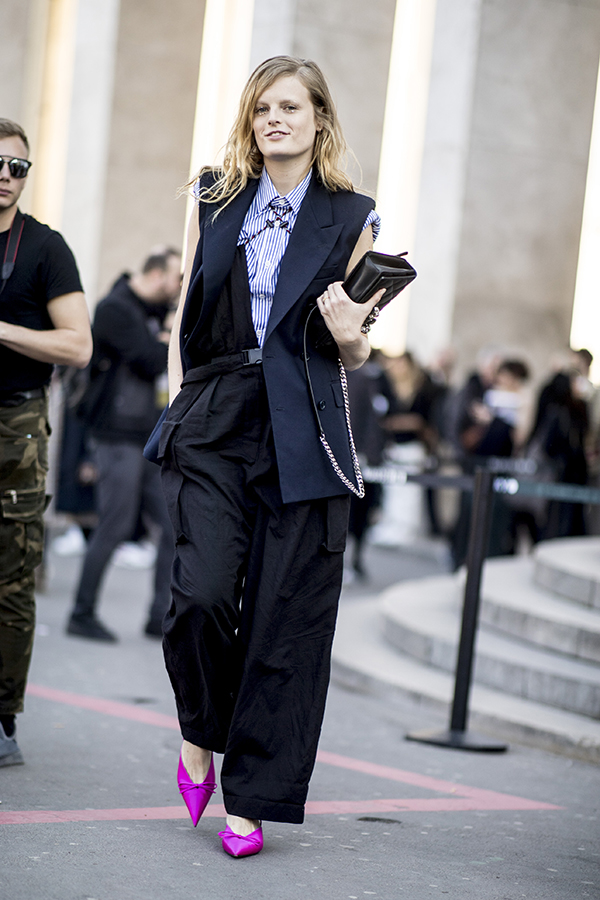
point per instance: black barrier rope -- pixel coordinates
(401, 475)
(483, 485)
(502, 484)
(551, 490)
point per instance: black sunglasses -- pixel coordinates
(18, 168)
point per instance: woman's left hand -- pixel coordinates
(344, 319)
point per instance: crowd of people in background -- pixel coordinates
(104, 483)
(417, 418)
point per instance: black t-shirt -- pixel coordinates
(45, 269)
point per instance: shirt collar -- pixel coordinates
(267, 192)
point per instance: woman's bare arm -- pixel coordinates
(175, 366)
(343, 317)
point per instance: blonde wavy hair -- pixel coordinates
(242, 158)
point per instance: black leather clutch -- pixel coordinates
(377, 270)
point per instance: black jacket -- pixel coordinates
(120, 403)
(321, 244)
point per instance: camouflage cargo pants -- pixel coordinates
(24, 434)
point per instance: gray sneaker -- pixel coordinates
(10, 755)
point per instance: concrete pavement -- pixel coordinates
(95, 812)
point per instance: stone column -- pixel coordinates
(22, 55)
(87, 159)
(17, 19)
(272, 30)
(351, 41)
(402, 150)
(443, 176)
(224, 67)
(585, 327)
(36, 69)
(528, 153)
(151, 125)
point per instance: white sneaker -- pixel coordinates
(132, 555)
(10, 755)
(71, 543)
(349, 576)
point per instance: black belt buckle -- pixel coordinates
(252, 357)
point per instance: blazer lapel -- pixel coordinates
(219, 244)
(311, 242)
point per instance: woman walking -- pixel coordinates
(259, 513)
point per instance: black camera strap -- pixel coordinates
(12, 247)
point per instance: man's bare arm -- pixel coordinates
(69, 343)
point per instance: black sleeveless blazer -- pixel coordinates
(324, 236)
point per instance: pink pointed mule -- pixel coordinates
(196, 796)
(240, 845)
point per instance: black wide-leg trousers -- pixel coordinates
(255, 591)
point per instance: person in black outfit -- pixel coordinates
(440, 411)
(43, 321)
(371, 395)
(562, 426)
(488, 429)
(414, 394)
(119, 406)
(260, 514)
(477, 383)
(76, 474)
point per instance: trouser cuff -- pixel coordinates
(208, 741)
(265, 810)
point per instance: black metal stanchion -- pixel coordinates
(457, 735)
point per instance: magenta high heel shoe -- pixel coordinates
(240, 845)
(196, 796)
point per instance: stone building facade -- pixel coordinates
(470, 120)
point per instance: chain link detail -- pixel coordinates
(360, 490)
(370, 320)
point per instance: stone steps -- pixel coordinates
(422, 620)
(515, 605)
(570, 570)
(537, 661)
(363, 661)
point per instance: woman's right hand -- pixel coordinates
(344, 319)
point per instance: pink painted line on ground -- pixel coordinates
(107, 707)
(485, 798)
(462, 796)
(422, 804)
(313, 808)
(48, 817)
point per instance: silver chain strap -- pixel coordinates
(370, 320)
(360, 491)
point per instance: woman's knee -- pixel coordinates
(205, 591)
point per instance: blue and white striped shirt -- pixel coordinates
(265, 235)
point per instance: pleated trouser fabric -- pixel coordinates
(255, 592)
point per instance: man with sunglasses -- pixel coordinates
(43, 321)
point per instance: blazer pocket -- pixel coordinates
(338, 511)
(338, 396)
